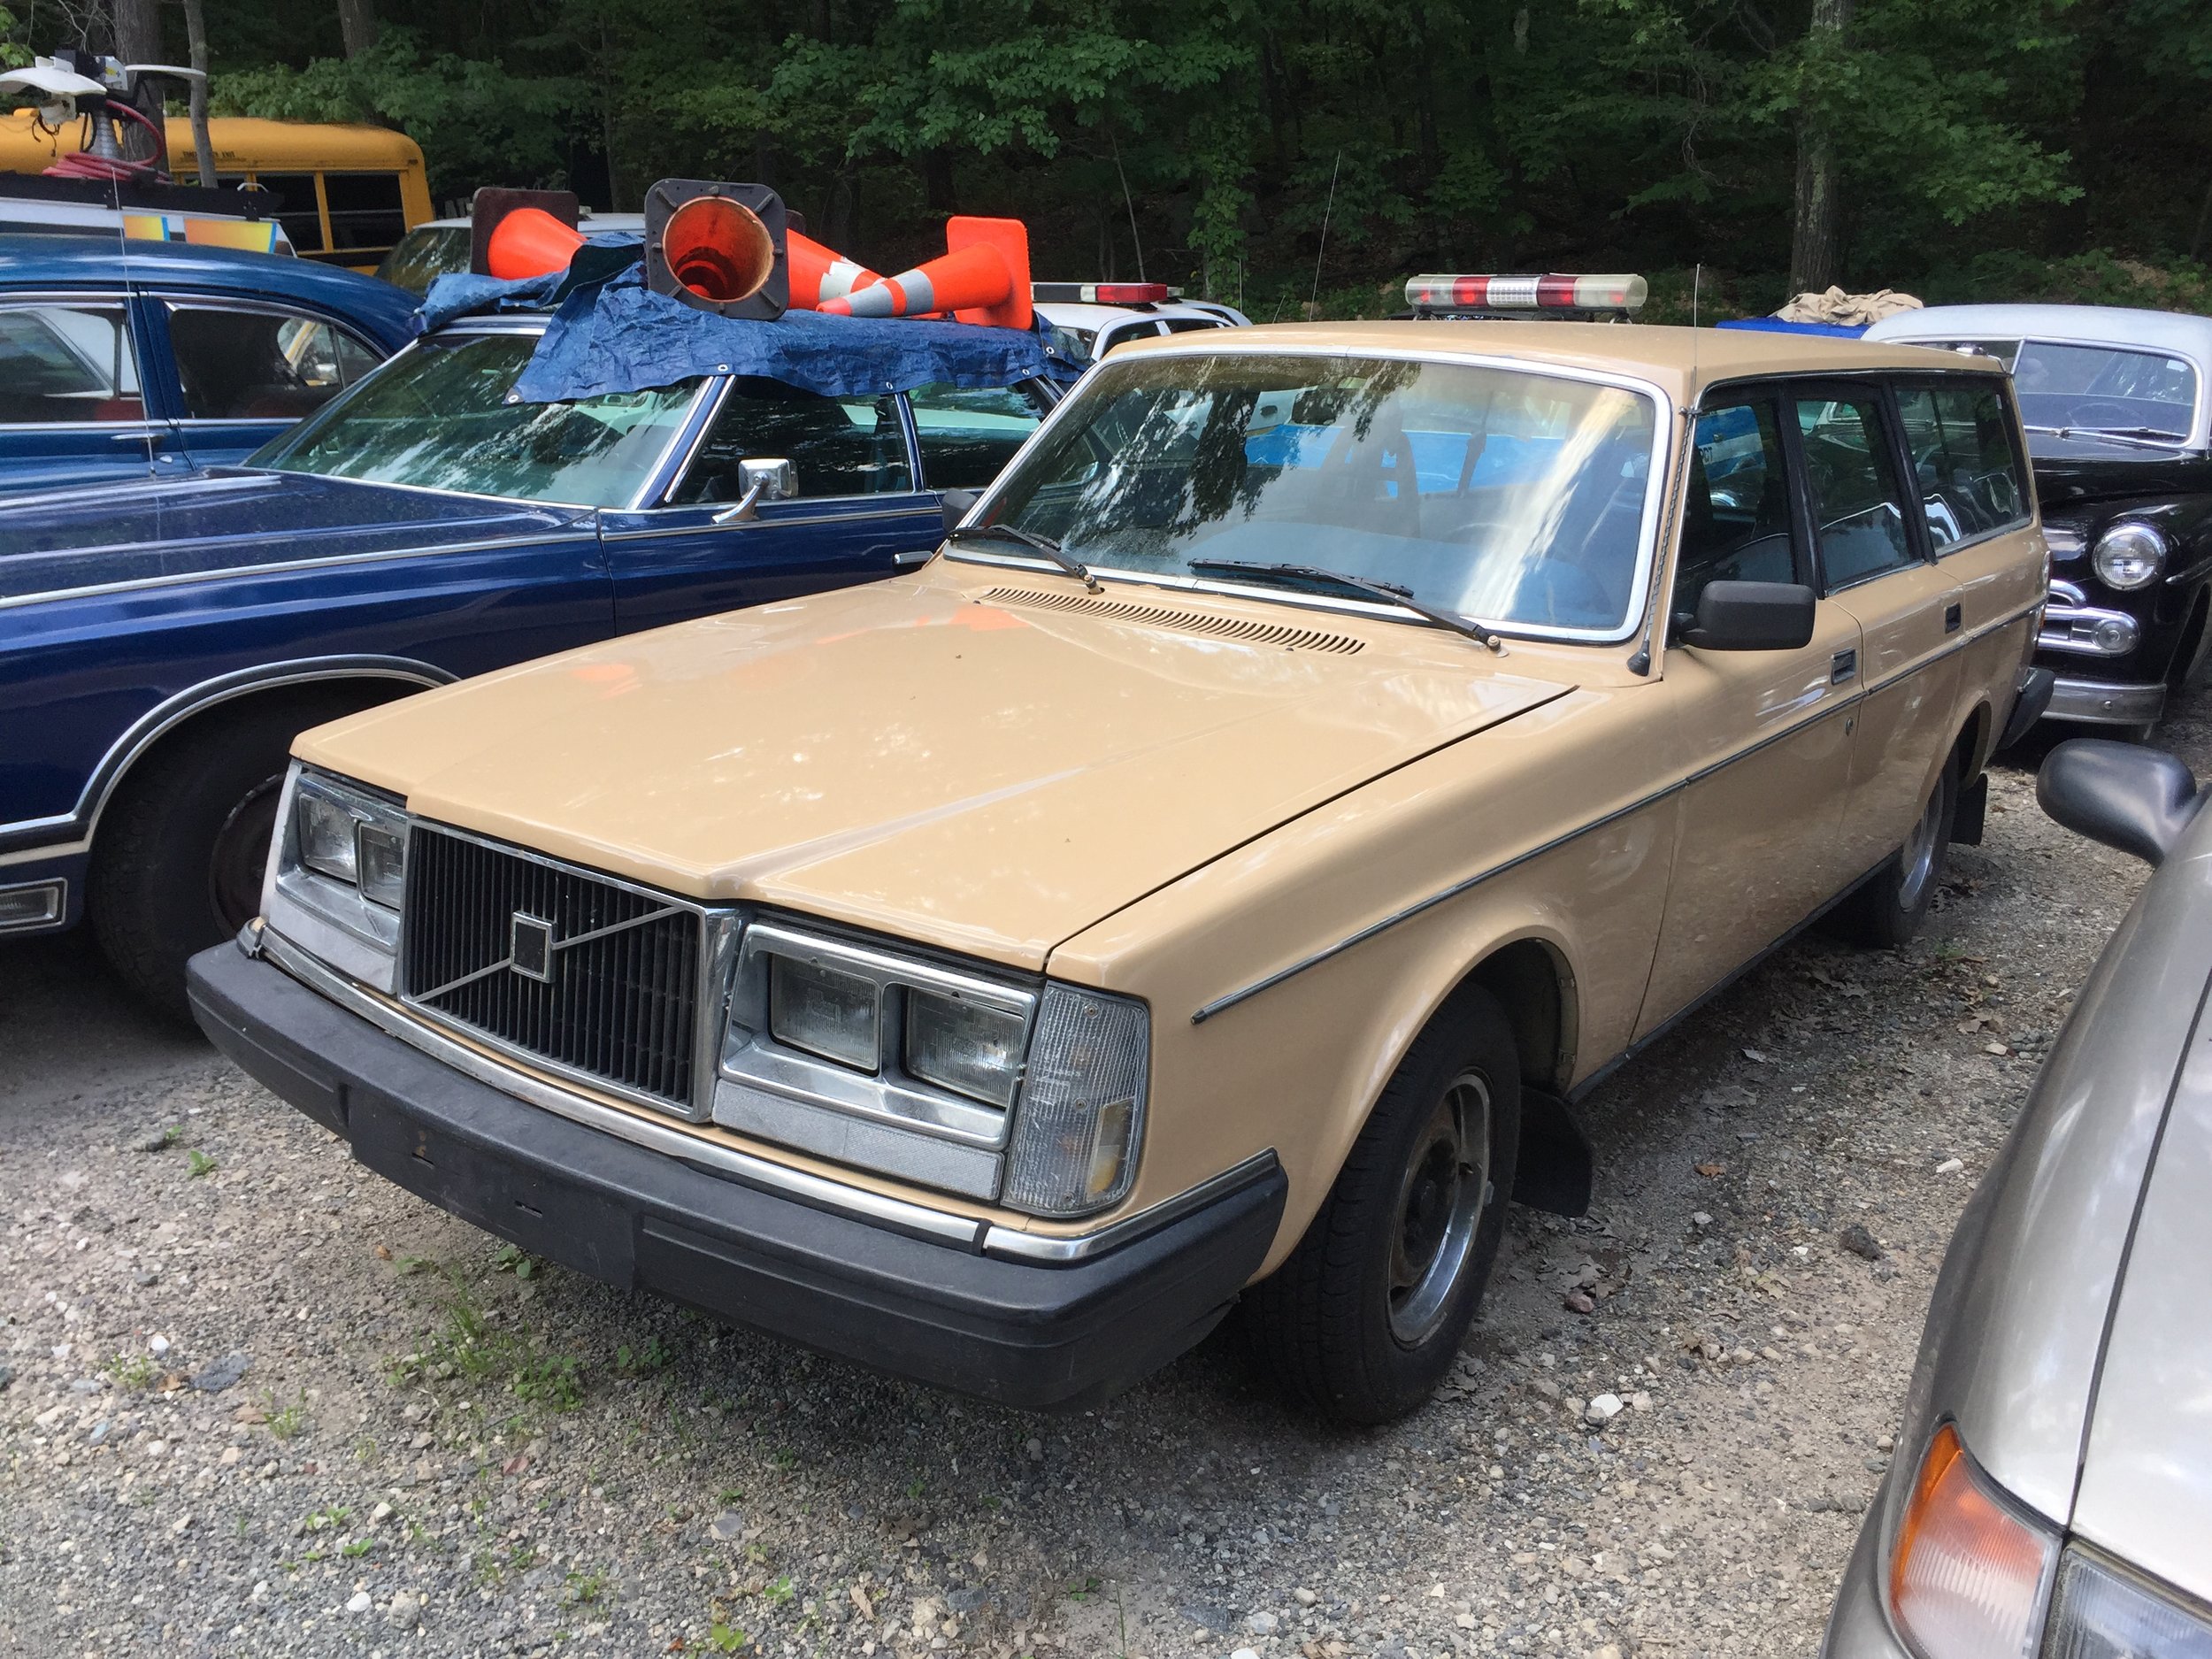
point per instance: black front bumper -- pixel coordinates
(1020, 1334)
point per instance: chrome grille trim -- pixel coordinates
(638, 993)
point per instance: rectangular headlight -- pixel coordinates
(823, 1011)
(965, 1047)
(2099, 1612)
(1080, 1122)
(338, 873)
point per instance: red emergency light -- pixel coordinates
(1526, 293)
(1100, 293)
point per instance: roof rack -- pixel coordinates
(1567, 298)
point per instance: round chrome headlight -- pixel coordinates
(2130, 554)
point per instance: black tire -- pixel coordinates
(1887, 911)
(177, 863)
(1337, 1326)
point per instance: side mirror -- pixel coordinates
(2136, 800)
(776, 479)
(770, 477)
(955, 504)
(1752, 617)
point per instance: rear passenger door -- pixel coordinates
(1870, 541)
(858, 514)
(1763, 737)
(245, 370)
(73, 395)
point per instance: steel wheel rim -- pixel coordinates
(1918, 856)
(1441, 1196)
(241, 854)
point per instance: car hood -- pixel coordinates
(2146, 1491)
(987, 768)
(95, 535)
(2083, 469)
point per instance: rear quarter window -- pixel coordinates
(1971, 479)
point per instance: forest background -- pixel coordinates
(1307, 154)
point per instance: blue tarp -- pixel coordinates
(609, 333)
(1774, 324)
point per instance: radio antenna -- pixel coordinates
(1314, 301)
(1697, 279)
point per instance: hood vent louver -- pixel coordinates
(1241, 629)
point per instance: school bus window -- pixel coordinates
(296, 208)
(364, 210)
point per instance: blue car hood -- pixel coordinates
(98, 535)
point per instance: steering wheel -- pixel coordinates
(2101, 415)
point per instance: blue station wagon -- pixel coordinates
(161, 644)
(121, 361)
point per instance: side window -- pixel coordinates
(297, 208)
(68, 362)
(1736, 509)
(1122, 333)
(1964, 459)
(968, 434)
(1858, 509)
(364, 210)
(838, 446)
(1187, 325)
(260, 365)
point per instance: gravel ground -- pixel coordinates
(260, 1402)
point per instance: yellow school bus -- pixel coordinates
(344, 195)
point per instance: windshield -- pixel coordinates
(437, 418)
(424, 254)
(2099, 388)
(1506, 495)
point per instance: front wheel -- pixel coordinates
(1888, 911)
(1364, 1318)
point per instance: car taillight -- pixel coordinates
(1966, 1581)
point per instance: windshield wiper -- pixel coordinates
(2141, 437)
(1043, 544)
(1390, 593)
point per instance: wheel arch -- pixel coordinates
(184, 710)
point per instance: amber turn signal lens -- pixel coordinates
(718, 248)
(1967, 1580)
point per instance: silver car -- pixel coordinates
(2052, 1492)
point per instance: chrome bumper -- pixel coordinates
(2098, 702)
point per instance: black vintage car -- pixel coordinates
(2115, 406)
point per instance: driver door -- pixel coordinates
(855, 515)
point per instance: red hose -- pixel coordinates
(84, 165)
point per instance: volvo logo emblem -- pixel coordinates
(530, 948)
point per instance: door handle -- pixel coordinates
(1952, 617)
(131, 437)
(1842, 666)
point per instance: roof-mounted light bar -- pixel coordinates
(1614, 294)
(1100, 293)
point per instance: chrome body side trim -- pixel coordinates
(656, 533)
(1038, 1246)
(284, 567)
(937, 1225)
(83, 819)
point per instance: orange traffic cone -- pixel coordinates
(982, 277)
(530, 242)
(821, 274)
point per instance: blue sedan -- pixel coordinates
(161, 642)
(121, 361)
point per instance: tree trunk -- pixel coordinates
(138, 31)
(202, 141)
(357, 22)
(1816, 228)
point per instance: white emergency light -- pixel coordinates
(1620, 293)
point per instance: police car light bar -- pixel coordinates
(1526, 293)
(1100, 293)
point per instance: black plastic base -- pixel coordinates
(1018, 1334)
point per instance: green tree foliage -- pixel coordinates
(1976, 146)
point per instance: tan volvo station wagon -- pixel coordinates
(1211, 880)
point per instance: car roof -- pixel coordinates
(1683, 360)
(29, 261)
(2108, 325)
